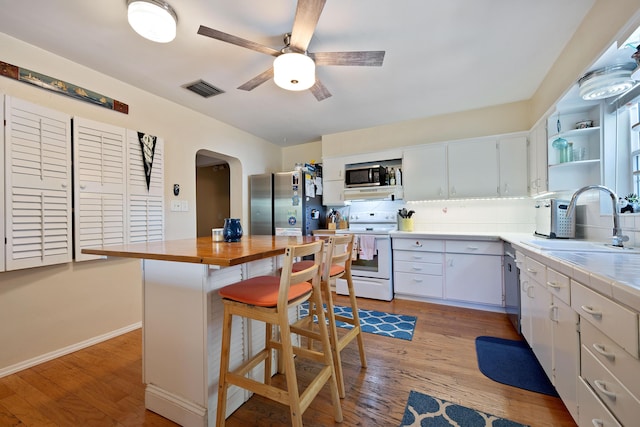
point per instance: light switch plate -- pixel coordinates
(184, 206)
(175, 206)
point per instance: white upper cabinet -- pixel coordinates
(99, 168)
(538, 159)
(473, 168)
(38, 185)
(424, 173)
(513, 158)
(145, 198)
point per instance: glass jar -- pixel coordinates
(232, 230)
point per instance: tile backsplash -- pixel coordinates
(505, 215)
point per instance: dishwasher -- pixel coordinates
(511, 278)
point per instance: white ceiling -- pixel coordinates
(441, 56)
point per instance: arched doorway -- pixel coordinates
(212, 192)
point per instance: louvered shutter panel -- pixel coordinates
(38, 186)
(2, 215)
(146, 206)
(99, 168)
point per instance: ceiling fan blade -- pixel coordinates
(372, 58)
(304, 24)
(238, 41)
(320, 91)
(257, 80)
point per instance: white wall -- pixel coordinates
(47, 309)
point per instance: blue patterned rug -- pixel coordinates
(426, 411)
(375, 322)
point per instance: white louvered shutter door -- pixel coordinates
(2, 214)
(146, 206)
(38, 185)
(99, 168)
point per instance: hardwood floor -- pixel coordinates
(101, 385)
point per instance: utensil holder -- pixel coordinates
(405, 224)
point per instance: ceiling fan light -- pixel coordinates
(152, 19)
(294, 71)
(606, 82)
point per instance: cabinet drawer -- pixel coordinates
(536, 271)
(559, 285)
(617, 322)
(423, 285)
(617, 398)
(474, 247)
(428, 245)
(417, 256)
(592, 411)
(621, 364)
(434, 269)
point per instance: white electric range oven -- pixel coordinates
(371, 270)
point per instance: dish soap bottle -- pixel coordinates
(392, 178)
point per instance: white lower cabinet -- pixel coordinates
(592, 411)
(418, 267)
(457, 271)
(474, 278)
(550, 326)
(609, 356)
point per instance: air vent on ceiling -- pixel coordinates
(204, 89)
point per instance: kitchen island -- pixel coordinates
(182, 318)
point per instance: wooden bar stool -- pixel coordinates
(338, 251)
(268, 299)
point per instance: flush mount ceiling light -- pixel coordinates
(606, 82)
(152, 19)
(294, 71)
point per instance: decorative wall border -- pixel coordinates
(59, 86)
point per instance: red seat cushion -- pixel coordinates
(334, 271)
(262, 291)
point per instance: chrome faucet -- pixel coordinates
(618, 238)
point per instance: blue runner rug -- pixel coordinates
(375, 322)
(424, 411)
(513, 363)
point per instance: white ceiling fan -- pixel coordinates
(295, 49)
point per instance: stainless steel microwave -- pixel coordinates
(365, 176)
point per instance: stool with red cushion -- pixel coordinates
(338, 251)
(268, 299)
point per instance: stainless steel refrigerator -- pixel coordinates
(284, 204)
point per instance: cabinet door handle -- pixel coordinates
(602, 386)
(530, 294)
(473, 248)
(600, 348)
(590, 310)
(525, 285)
(553, 313)
(417, 257)
(417, 280)
(532, 271)
(597, 423)
(554, 285)
(417, 268)
(417, 244)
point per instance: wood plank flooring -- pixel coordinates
(101, 385)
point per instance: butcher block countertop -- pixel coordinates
(203, 250)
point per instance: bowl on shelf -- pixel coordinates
(584, 124)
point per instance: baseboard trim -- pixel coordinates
(26, 364)
(175, 408)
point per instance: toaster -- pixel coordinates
(552, 220)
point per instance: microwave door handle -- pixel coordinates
(370, 175)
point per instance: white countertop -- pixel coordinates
(613, 274)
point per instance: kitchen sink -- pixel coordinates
(577, 246)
